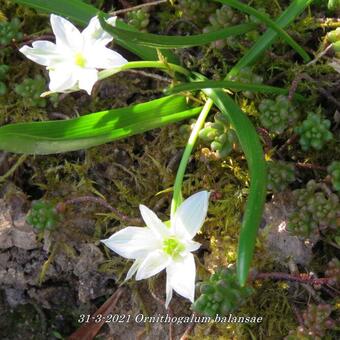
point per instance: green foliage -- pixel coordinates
(43, 215)
(277, 115)
(10, 31)
(196, 10)
(3, 88)
(314, 132)
(220, 135)
(31, 89)
(221, 294)
(139, 19)
(246, 75)
(333, 5)
(334, 170)
(223, 17)
(316, 321)
(280, 174)
(315, 210)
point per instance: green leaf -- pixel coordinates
(232, 85)
(266, 40)
(168, 41)
(252, 148)
(81, 13)
(265, 19)
(93, 129)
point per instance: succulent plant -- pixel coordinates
(280, 174)
(197, 10)
(9, 31)
(31, 90)
(219, 134)
(333, 5)
(246, 75)
(221, 294)
(139, 19)
(43, 215)
(334, 171)
(223, 17)
(314, 132)
(277, 115)
(315, 210)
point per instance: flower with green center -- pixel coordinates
(73, 61)
(162, 245)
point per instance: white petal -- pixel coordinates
(192, 246)
(133, 269)
(155, 262)
(182, 276)
(43, 53)
(132, 242)
(191, 214)
(61, 79)
(94, 34)
(67, 35)
(153, 222)
(87, 78)
(103, 58)
(169, 291)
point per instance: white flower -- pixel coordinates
(157, 247)
(73, 61)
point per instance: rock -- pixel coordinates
(5, 226)
(14, 231)
(278, 242)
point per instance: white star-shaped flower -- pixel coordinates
(73, 61)
(157, 247)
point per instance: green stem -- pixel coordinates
(144, 64)
(177, 195)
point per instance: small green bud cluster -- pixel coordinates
(333, 5)
(280, 174)
(314, 132)
(196, 10)
(334, 38)
(9, 31)
(31, 90)
(223, 17)
(316, 322)
(139, 19)
(222, 294)
(315, 210)
(246, 75)
(219, 134)
(334, 170)
(333, 271)
(3, 71)
(43, 215)
(277, 115)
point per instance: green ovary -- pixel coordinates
(80, 60)
(173, 247)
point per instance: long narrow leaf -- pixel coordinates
(81, 13)
(251, 146)
(266, 40)
(168, 41)
(265, 19)
(227, 84)
(93, 129)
